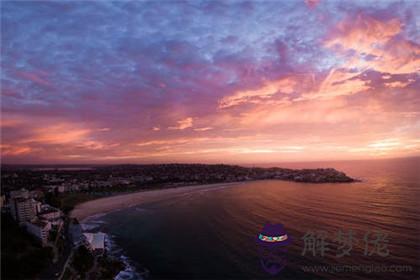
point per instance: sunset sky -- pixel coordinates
(209, 81)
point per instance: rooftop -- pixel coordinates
(96, 240)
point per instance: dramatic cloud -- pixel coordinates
(268, 90)
(340, 82)
(208, 81)
(370, 43)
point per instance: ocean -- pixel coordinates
(211, 234)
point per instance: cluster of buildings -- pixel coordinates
(37, 218)
(108, 178)
(62, 185)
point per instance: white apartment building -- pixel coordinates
(22, 193)
(23, 209)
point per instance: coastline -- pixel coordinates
(102, 206)
(88, 212)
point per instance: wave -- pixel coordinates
(130, 272)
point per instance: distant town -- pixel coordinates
(36, 201)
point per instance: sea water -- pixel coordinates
(211, 234)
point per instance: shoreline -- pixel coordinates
(86, 212)
(105, 205)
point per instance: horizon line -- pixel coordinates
(203, 163)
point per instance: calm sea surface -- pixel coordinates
(211, 234)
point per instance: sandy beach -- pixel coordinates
(112, 203)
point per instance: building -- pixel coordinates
(76, 234)
(23, 209)
(95, 241)
(22, 193)
(40, 229)
(50, 214)
(49, 188)
(73, 187)
(37, 194)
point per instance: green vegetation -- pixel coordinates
(18, 247)
(82, 261)
(109, 267)
(68, 201)
(85, 265)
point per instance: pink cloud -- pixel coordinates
(266, 91)
(39, 78)
(381, 40)
(182, 124)
(15, 150)
(312, 3)
(203, 128)
(338, 82)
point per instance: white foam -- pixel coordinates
(129, 272)
(93, 223)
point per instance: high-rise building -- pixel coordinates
(22, 193)
(23, 209)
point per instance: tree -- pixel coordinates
(82, 260)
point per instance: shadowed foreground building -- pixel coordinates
(40, 229)
(38, 219)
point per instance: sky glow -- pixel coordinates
(209, 81)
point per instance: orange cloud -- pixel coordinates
(268, 90)
(183, 124)
(10, 121)
(326, 111)
(12, 150)
(389, 146)
(63, 133)
(338, 82)
(64, 137)
(363, 33)
(203, 128)
(95, 145)
(379, 45)
(397, 84)
(163, 142)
